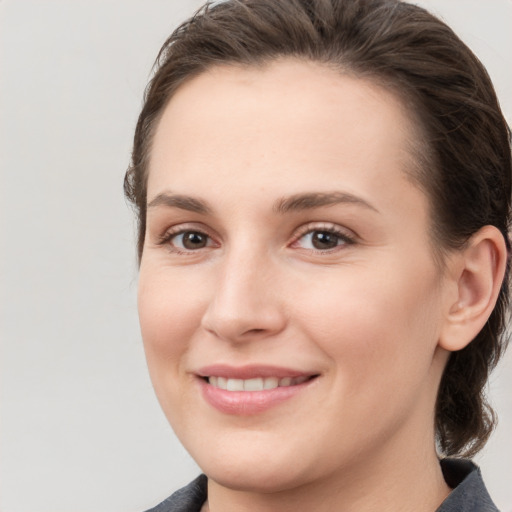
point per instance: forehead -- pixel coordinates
(289, 123)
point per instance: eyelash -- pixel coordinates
(168, 236)
(343, 237)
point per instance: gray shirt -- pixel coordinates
(469, 493)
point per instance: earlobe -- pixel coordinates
(478, 275)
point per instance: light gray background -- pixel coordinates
(80, 429)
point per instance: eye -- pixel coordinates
(323, 239)
(187, 240)
(191, 240)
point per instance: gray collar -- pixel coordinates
(469, 493)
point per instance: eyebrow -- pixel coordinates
(310, 200)
(296, 202)
(188, 203)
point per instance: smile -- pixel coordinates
(255, 384)
(251, 390)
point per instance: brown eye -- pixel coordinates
(323, 240)
(190, 240)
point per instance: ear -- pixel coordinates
(477, 273)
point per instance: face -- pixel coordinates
(289, 301)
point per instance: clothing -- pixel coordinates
(188, 499)
(469, 493)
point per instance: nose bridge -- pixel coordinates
(244, 302)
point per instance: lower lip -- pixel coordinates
(246, 403)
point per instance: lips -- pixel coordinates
(251, 390)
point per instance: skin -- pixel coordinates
(372, 316)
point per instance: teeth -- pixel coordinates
(253, 385)
(235, 385)
(270, 383)
(256, 384)
(300, 380)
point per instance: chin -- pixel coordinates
(267, 478)
(262, 467)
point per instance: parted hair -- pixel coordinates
(463, 158)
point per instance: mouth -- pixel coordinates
(251, 390)
(257, 383)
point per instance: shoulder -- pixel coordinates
(187, 499)
(469, 493)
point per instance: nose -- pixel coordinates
(246, 303)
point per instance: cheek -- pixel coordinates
(169, 313)
(379, 328)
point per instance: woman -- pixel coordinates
(323, 194)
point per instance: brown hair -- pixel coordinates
(464, 166)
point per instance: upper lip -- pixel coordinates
(250, 371)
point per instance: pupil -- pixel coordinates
(324, 240)
(194, 240)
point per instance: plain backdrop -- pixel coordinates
(80, 429)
